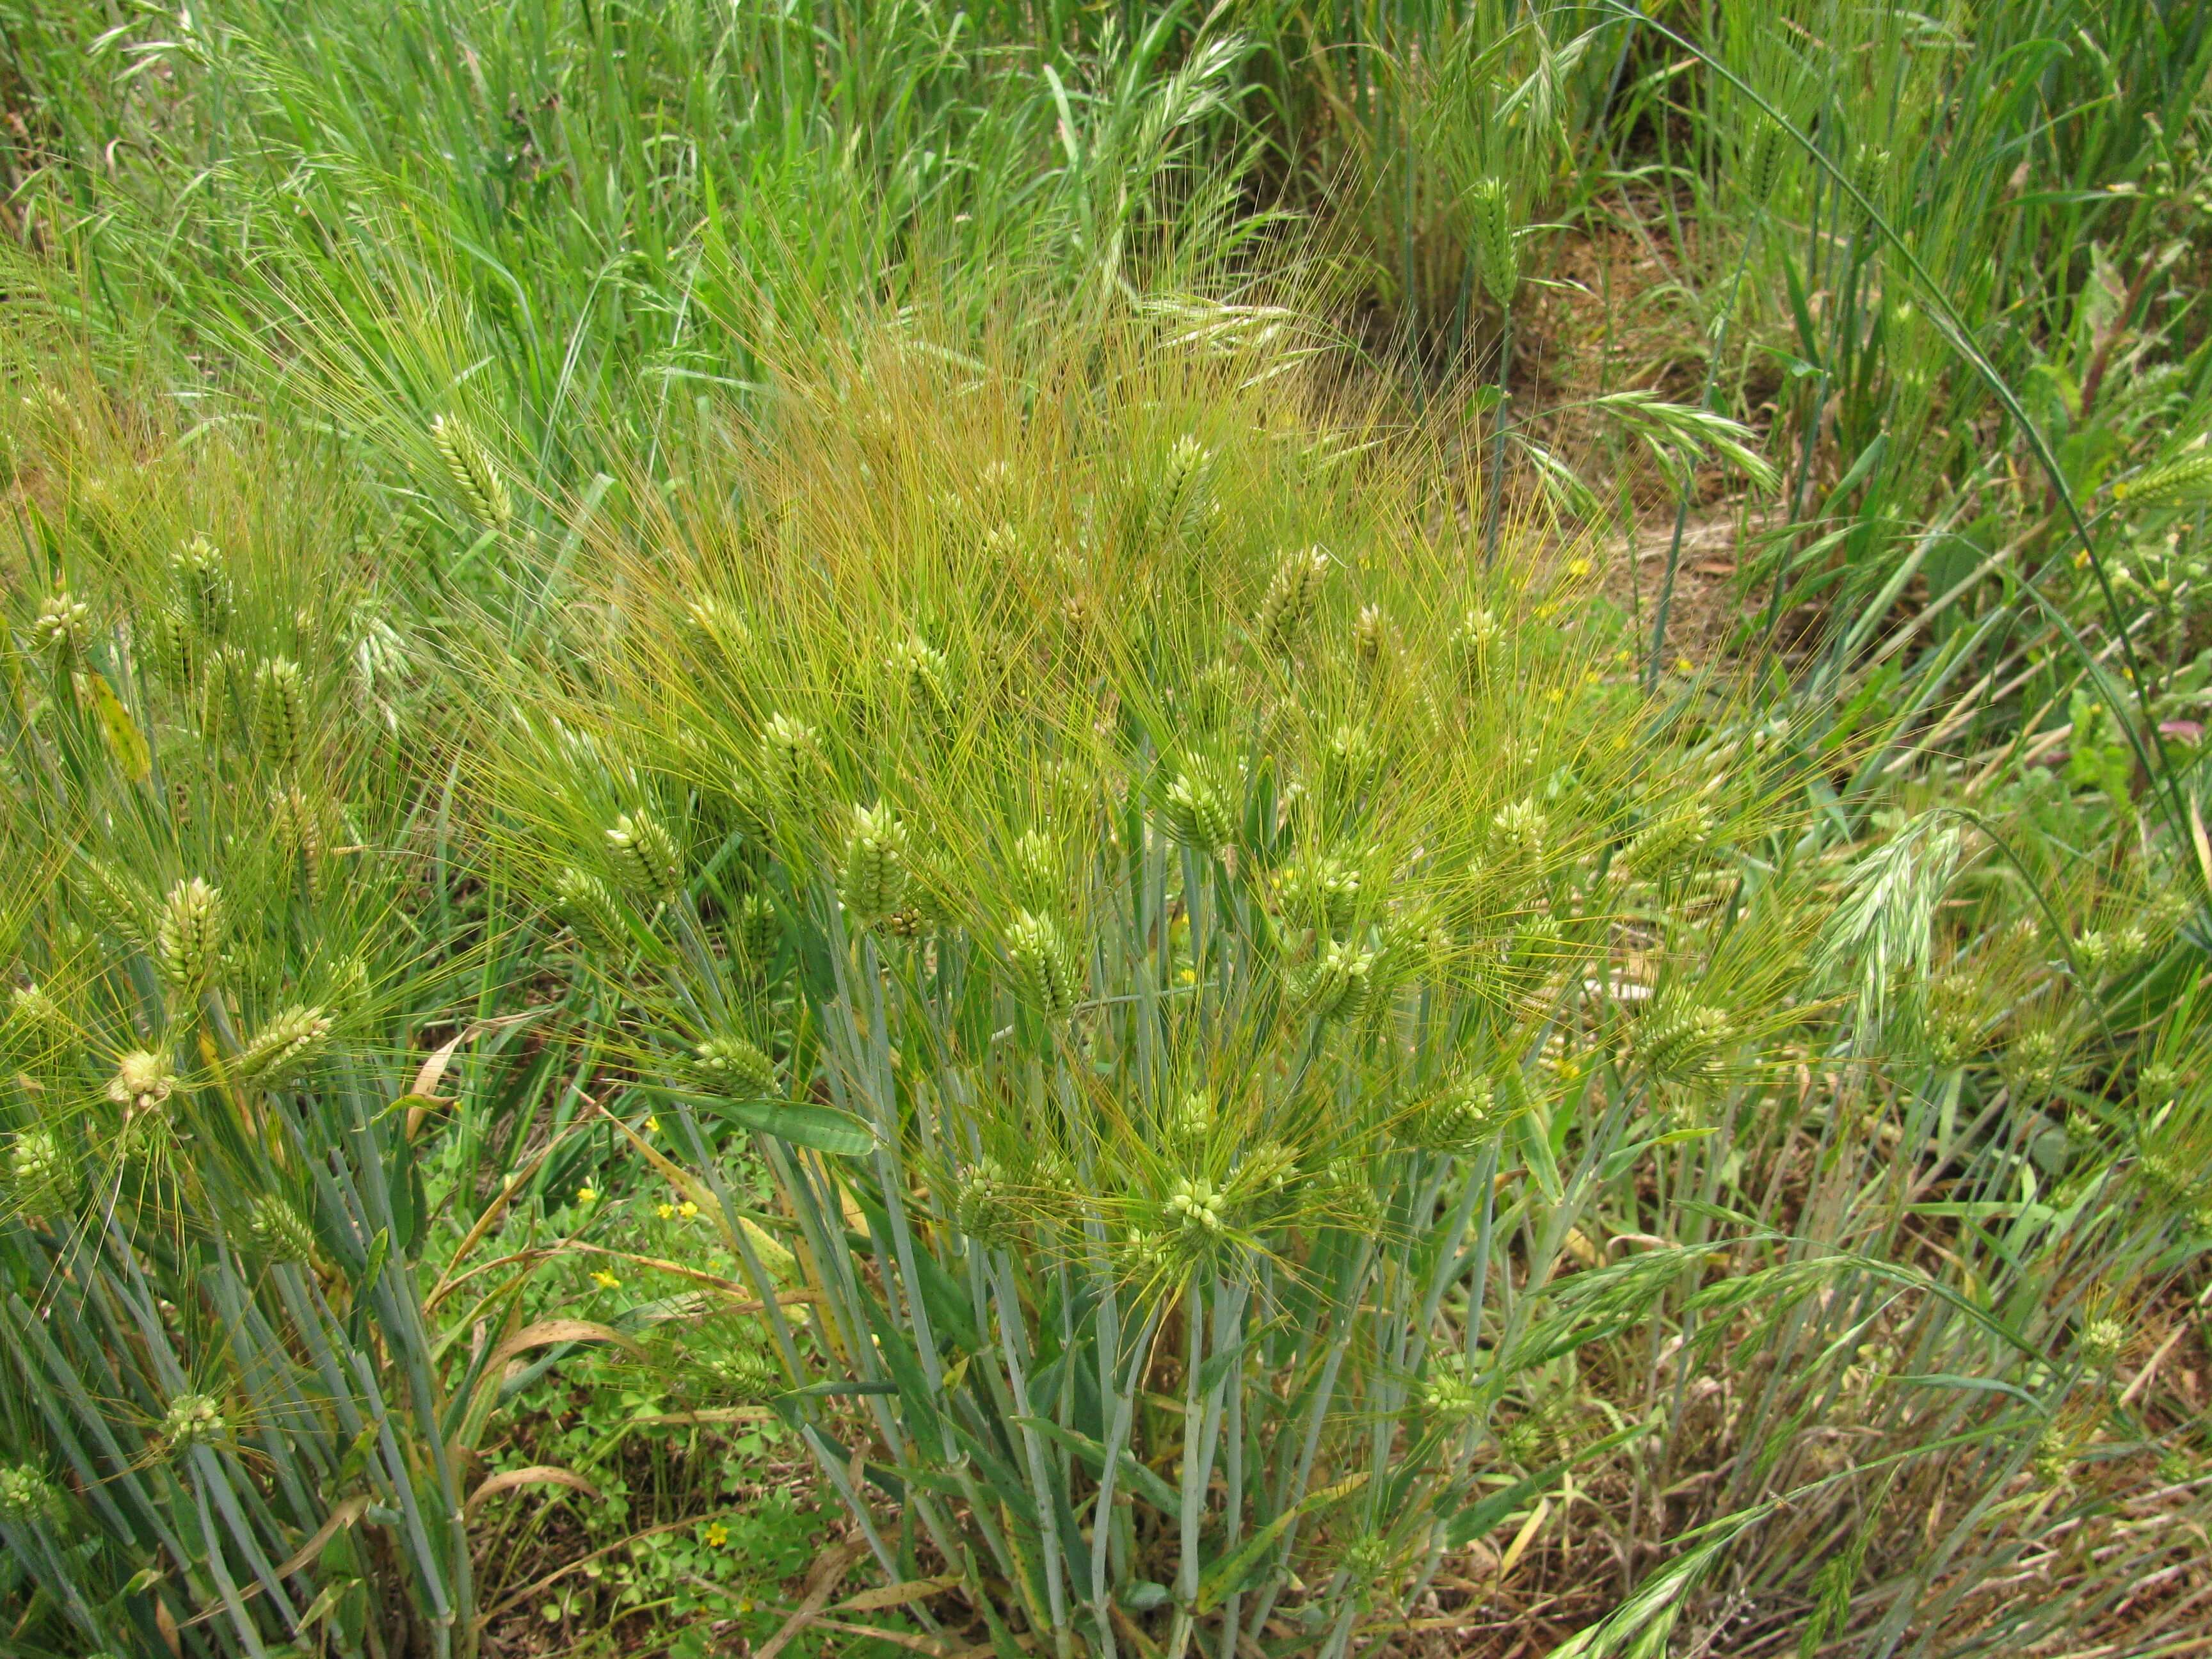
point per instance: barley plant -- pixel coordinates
(1086, 830)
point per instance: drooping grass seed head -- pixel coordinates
(143, 1082)
(188, 936)
(876, 874)
(62, 627)
(475, 476)
(1293, 594)
(735, 1069)
(280, 710)
(1049, 970)
(1372, 645)
(292, 1038)
(645, 858)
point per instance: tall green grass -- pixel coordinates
(967, 643)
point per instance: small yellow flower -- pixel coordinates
(651, 1124)
(587, 1194)
(1591, 676)
(1684, 665)
(687, 1209)
(1578, 568)
(605, 1280)
(1554, 694)
(715, 1535)
(665, 1212)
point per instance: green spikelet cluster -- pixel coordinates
(585, 903)
(745, 1375)
(1518, 838)
(1463, 1118)
(1684, 1043)
(143, 1082)
(226, 685)
(1765, 148)
(1194, 812)
(1321, 892)
(736, 1067)
(986, 1205)
(876, 874)
(193, 1419)
(1293, 593)
(470, 465)
(291, 1039)
(210, 595)
(188, 935)
(791, 760)
(63, 627)
(1195, 1215)
(2185, 481)
(1667, 843)
(278, 1231)
(1476, 643)
(721, 627)
(1037, 872)
(1351, 761)
(1371, 644)
(1869, 170)
(1335, 984)
(1047, 967)
(1178, 507)
(26, 1495)
(645, 858)
(1447, 1395)
(42, 1179)
(36, 1022)
(118, 903)
(757, 928)
(175, 644)
(1489, 208)
(280, 710)
(298, 824)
